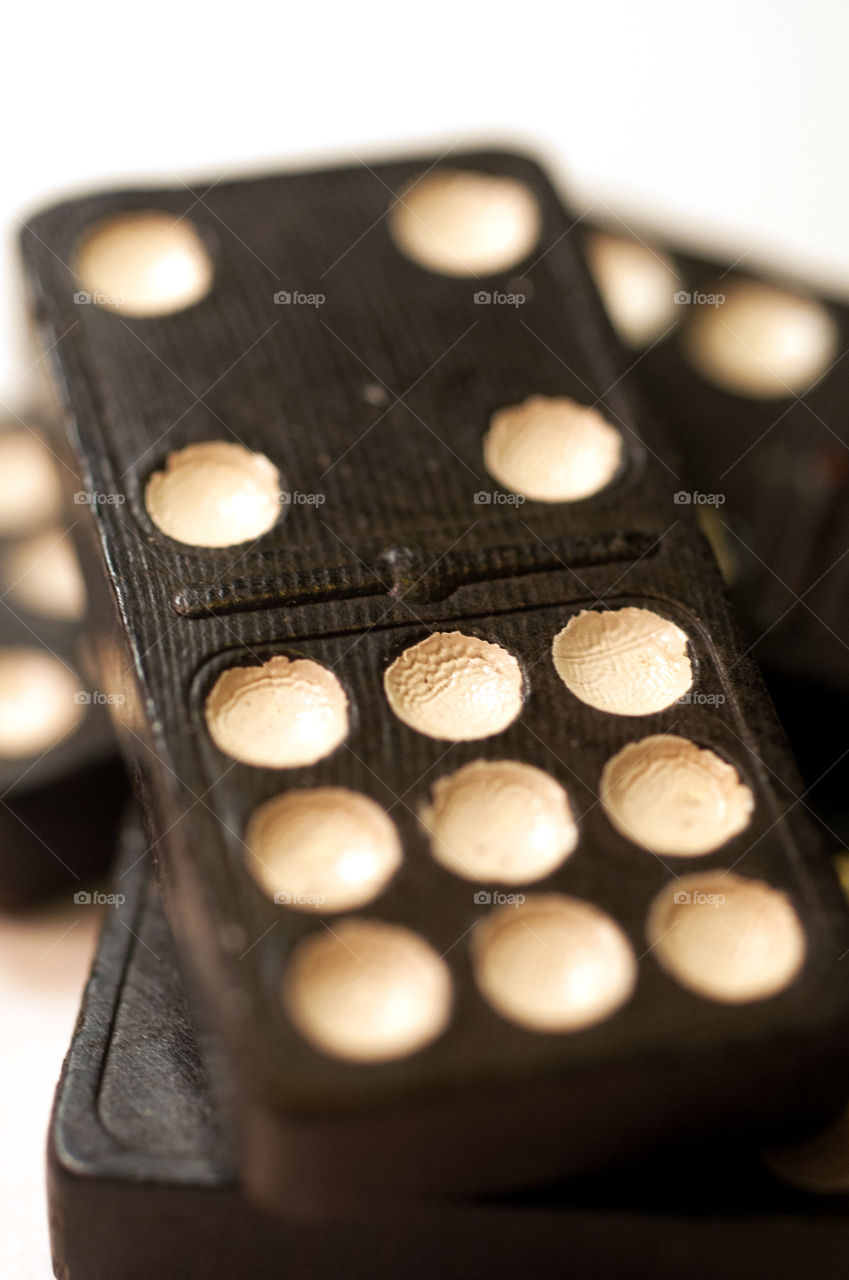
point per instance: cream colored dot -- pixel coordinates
(637, 284)
(761, 341)
(819, 1164)
(670, 796)
(39, 702)
(553, 963)
(283, 714)
(726, 937)
(500, 820)
(464, 223)
(368, 991)
(30, 493)
(214, 495)
(143, 264)
(44, 575)
(630, 662)
(455, 687)
(552, 449)
(322, 849)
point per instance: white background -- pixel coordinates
(723, 125)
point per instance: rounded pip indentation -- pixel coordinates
(637, 284)
(283, 714)
(725, 937)
(455, 687)
(30, 493)
(669, 795)
(465, 223)
(629, 662)
(552, 449)
(368, 991)
(762, 342)
(143, 263)
(553, 963)
(500, 820)
(322, 849)
(40, 702)
(44, 575)
(214, 494)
